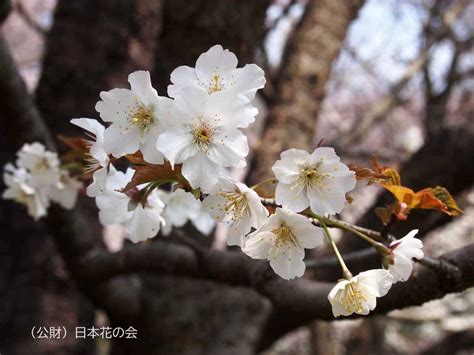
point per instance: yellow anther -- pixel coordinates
(142, 117)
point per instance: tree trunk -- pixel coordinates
(35, 288)
(301, 87)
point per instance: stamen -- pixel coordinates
(202, 136)
(216, 84)
(142, 117)
(236, 205)
(310, 177)
(41, 165)
(285, 236)
(353, 298)
(91, 164)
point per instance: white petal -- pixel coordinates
(334, 298)
(115, 105)
(215, 60)
(200, 172)
(287, 262)
(401, 268)
(176, 145)
(203, 223)
(90, 125)
(286, 169)
(118, 143)
(339, 310)
(214, 205)
(377, 281)
(230, 149)
(96, 128)
(98, 185)
(238, 230)
(113, 209)
(140, 83)
(323, 154)
(225, 112)
(291, 198)
(257, 245)
(248, 80)
(248, 117)
(181, 77)
(144, 224)
(192, 101)
(149, 151)
(322, 202)
(369, 304)
(309, 236)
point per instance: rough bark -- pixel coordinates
(191, 28)
(303, 299)
(91, 47)
(300, 89)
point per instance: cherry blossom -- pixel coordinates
(180, 207)
(204, 136)
(203, 222)
(403, 251)
(65, 191)
(216, 72)
(142, 220)
(137, 117)
(42, 164)
(359, 294)
(317, 180)
(282, 240)
(236, 204)
(19, 190)
(97, 160)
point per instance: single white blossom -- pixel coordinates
(180, 207)
(203, 222)
(65, 191)
(19, 190)
(318, 180)
(403, 252)
(282, 240)
(42, 164)
(215, 72)
(204, 136)
(142, 220)
(97, 160)
(359, 294)
(136, 116)
(236, 204)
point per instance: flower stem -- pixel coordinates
(267, 181)
(345, 270)
(381, 249)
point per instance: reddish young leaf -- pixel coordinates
(150, 172)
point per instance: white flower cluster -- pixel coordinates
(359, 293)
(38, 179)
(198, 129)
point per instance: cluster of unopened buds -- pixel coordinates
(179, 151)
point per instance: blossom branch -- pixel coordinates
(304, 298)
